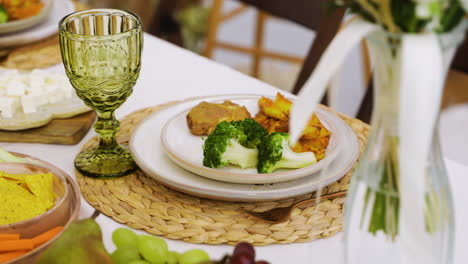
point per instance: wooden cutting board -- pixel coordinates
(68, 131)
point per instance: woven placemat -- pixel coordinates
(142, 203)
(41, 54)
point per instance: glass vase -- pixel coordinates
(372, 226)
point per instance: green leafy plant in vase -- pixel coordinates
(399, 207)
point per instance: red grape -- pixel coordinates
(262, 262)
(242, 259)
(244, 248)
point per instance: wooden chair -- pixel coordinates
(456, 86)
(163, 24)
(310, 14)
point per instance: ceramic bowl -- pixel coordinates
(22, 24)
(67, 205)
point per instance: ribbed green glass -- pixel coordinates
(101, 52)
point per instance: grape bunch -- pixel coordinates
(144, 249)
(244, 253)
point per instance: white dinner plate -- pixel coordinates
(46, 28)
(186, 149)
(147, 150)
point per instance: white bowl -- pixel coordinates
(64, 212)
(25, 23)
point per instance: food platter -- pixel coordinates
(25, 23)
(149, 154)
(65, 109)
(185, 149)
(46, 28)
(64, 104)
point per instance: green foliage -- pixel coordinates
(404, 15)
(452, 17)
(355, 8)
(443, 17)
(194, 23)
(3, 14)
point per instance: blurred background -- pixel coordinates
(273, 49)
(186, 23)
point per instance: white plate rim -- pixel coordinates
(25, 23)
(233, 195)
(43, 30)
(249, 178)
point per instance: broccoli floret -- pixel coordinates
(233, 143)
(254, 132)
(274, 153)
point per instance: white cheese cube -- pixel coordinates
(36, 81)
(41, 99)
(8, 106)
(28, 104)
(28, 92)
(3, 85)
(4, 78)
(68, 93)
(10, 74)
(36, 91)
(38, 72)
(55, 98)
(15, 87)
(67, 88)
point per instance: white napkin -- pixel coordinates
(421, 88)
(314, 88)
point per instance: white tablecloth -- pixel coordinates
(170, 73)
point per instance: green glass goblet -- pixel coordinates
(101, 51)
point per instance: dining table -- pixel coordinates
(170, 73)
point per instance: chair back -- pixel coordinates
(313, 14)
(460, 62)
(308, 13)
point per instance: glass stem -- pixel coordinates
(106, 126)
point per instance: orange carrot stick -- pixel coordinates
(5, 257)
(46, 236)
(9, 237)
(14, 245)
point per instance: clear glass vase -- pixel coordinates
(372, 229)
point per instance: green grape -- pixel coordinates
(125, 254)
(173, 257)
(124, 237)
(140, 261)
(153, 249)
(194, 256)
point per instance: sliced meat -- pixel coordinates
(204, 117)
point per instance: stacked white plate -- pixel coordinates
(164, 148)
